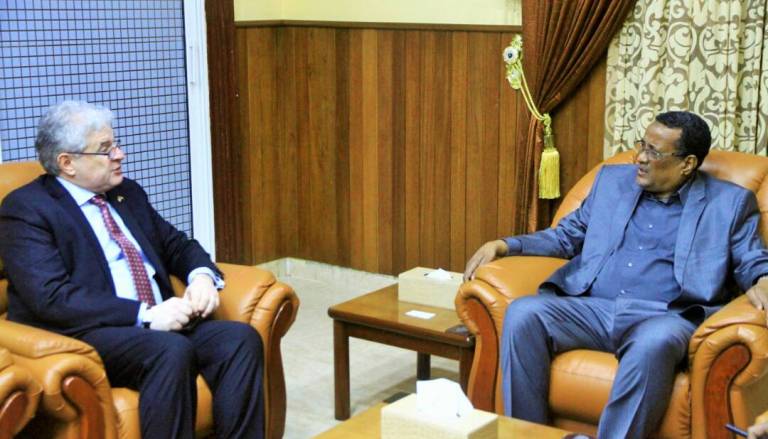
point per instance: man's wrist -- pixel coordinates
(204, 276)
(147, 317)
(513, 246)
(218, 282)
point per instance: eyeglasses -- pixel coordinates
(111, 153)
(653, 155)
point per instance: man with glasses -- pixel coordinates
(650, 250)
(89, 257)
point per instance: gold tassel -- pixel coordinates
(549, 169)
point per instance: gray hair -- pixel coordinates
(65, 127)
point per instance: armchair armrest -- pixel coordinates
(481, 304)
(246, 286)
(516, 276)
(75, 385)
(19, 396)
(254, 296)
(728, 357)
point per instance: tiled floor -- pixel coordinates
(376, 371)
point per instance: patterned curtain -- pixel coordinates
(709, 57)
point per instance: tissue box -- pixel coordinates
(414, 286)
(402, 420)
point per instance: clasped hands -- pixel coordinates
(200, 300)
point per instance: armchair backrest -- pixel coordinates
(747, 170)
(12, 176)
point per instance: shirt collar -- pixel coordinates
(681, 193)
(80, 194)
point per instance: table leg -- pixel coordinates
(465, 366)
(341, 369)
(423, 366)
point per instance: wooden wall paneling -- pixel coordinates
(427, 147)
(286, 169)
(268, 165)
(596, 130)
(370, 128)
(243, 215)
(226, 152)
(398, 152)
(385, 88)
(482, 140)
(356, 162)
(387, 149)
(458, 149)
(412, 113)
(304, 141)
(317, 170)
(441, 196)
(510, 103)
(343, 145)
(262, 76)
(578, 128)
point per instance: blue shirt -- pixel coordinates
(118, 264)
(642, 267)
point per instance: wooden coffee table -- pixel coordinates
(380, 317)
(368, 425)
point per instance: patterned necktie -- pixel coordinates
(136, 265)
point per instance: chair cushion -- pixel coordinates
(126, 403)
(583, 372)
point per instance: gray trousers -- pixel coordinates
(648, 341)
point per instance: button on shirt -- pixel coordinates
(642, 267)
(118, 265)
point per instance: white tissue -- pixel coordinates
(442, 398)
(439, 274)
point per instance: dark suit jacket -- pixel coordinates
(59, 277)
(718, 239)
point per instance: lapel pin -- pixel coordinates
(120, 198)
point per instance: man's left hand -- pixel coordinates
(758, 294)
(203, 296)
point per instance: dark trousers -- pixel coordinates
(648, 341)
(163, 367)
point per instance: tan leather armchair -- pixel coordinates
(19, 395)
(725, 380)
(77, 400)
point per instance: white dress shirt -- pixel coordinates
(118, 264)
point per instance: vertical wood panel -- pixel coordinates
(442, 151)
(428, 122)
(399, 263)
(356, 163)
(458, 147)
(412, 142)
(226, 158)
(241, 209)
(370, 157)
(287, 154)
(321, 167)
(386, 149)
(482, 139)
(384, 61)
(304, 142)
(342, 123)
(262, 82)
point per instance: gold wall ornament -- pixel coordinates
(549, 169)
